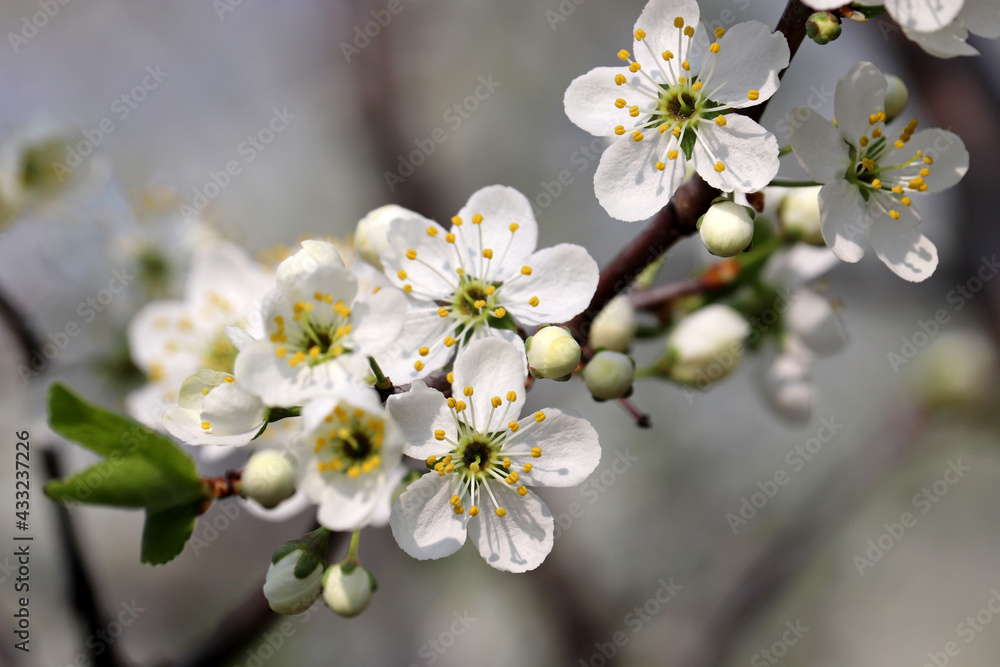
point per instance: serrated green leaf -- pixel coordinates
(166, 532)
(130, 481)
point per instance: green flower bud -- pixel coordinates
(371, 237)
(609, 375)
(799, 214)
(268, 478)
(823, 27)
(614, 326)
(897, 96)
(553, 353)
(727, 228)
(295, 579)
(348, 588)
(705, 346)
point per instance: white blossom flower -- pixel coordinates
(481, 276)
(672, 104)
(214, 410)
(868, 176)
(350, 449)
(318, 331)
(705, 346)
(483, 459)
(172, 339)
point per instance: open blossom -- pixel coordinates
(172, 339)
(350, 450)
(318, 330)
(869, 176)
(940, 27)
(480, 277)
(672, 103)
(483, 459)
(214, 410)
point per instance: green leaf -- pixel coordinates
(131, 481)
(166, 532)
(688, 140)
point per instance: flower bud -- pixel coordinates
(614, 326)
(823, 27)
(727, 228)
(609, 375)
(705, 346)
(348, 588)
(553, 353)
(371, 237)
(295, 579)
(957, 367)
(787, 387)
(268, 478)
(897, 96)
(213, 410)
(799, 214)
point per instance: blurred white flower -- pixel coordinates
(705, 346)
(214, 410)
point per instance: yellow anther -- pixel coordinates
(620, 103)
(533, 301)
(490, 290)
(679, 22)
(418, 365)
(513, 426)
(511, 396)
(898, 189)
(637, 136)
(456, 220)
(467, 391)
(676, 131)
(720, 121)
(297, 359)
(863, 141)
(663, 128)
(460, 405)
(522, 490)
(528, 467)
(872, 119)
(460, 271)
(536, 452)
(506, 462)
(512, 478)
(916, 182)
(899, 144)
(479, 303)
(689, 31)
(925, 172)
(514, 227)
(449, 237)
(660, 166)
(318, 296)
(459, 509)
(634, 111)
(450, 467)
(474, 467)
(526, 270)
(698, 85)
(753, 94)
(477, 219)
(923, 187)
(715, 48)
(452, 402)
(928, 159)
(439, 434)
(620, 79)
(539, 416)
(499, 312)
(667, 55)
(640, 34)
(620, 130)
(488, 253)
(682, 80)
(719, 32)
(407, 288)
(206, 425)
(424, 351)
(204, 391)
(432, 231)
(401, 274)
(868, 164)
(876, 133)
(905, 201)
(624, 55)
(877, 184)
(431, 460)
(501, 511)
(719, 167)
(686, 65)
(894, 214)
(473, 511)
(496, 401)
(450, 377)
(280, 352)
(634, 67)
(411, 254)
(440, 472)
(442, 311)
(672, 154)
(448, 341)
(314, 351)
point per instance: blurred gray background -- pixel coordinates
(357, 107)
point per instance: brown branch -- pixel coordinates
(18, 323)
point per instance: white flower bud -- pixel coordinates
(214, 410)
(288, 593)
(614, 326)
(306, 260)
(799, 213)
(371, 237)
(609, 375)
(268, 478)
(552, 353)
(705, 346)
(957, 367)
(897, 96)
(348, 588)
(787, 387)
(727, 228)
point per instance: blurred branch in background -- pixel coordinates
(19, 326)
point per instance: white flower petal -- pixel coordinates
(750, 57)
(799, 265)
(150, 331)
(823, 4)
(844, 218)
(563, 277)
(818, 145)
(981, 17)
(312, 255)
(859, 94)
(627, 183)
(786, 385)
(492, 367)
(383, 508)
(280, 385)
(240, 338)
(812, 319)
(500, 206)
(657, 20)
(432, 274)
(423, 328)
(280, 514)
(223, 273)
(570, 449)
(418, 413)
(347, 503)
(924, 15)
(424, 523)
(944, 43)
(519, 541)
(951, 159)
(899, 245)
(377, 321)
(748, 151)
(589, 101)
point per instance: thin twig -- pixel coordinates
(18, 323)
